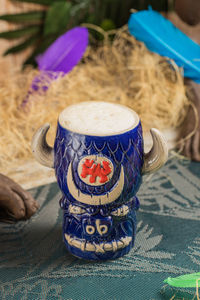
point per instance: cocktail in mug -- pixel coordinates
(99, 160)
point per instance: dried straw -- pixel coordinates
(123, 71)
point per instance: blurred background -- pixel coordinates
(158, 92)
(42, 21)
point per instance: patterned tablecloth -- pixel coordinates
(35, 265)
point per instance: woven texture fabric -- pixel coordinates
(34, 263)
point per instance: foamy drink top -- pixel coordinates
(98, 118)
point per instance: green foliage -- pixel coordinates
(57, 18)
(184, 281)
(29, 17)
(18, 33)
(107, 24)
(41, 46)
(40, 28)
(22, 46)
(41, 2)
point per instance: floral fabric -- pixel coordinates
(34, 263)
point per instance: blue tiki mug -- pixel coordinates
(99, 176)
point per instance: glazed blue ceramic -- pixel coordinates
(99, 176)
(107, 229)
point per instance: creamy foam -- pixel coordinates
(98, 118)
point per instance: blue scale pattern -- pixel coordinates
(125, 150)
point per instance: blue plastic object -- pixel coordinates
(104, 231)
(162, 37)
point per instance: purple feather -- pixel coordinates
(65, 52)
(60, 58)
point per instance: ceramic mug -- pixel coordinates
(99, 176)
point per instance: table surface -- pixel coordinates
(34, 263)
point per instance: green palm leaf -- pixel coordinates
(28, 17)
(22, 46)
(41, 2)
(184, 281)
(57, 18)
(40, 48)
(18, 33)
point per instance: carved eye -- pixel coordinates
(121, 211)
(90, 229)
(73, 209)
(103, 229)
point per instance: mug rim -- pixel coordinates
(136, 123)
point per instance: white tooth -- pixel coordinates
(108, 247)
(120, 244)
(89, 247)
(122, 211)
(99, 248)
(126, 209)
(69, 238)
(76, 243)
(114, 213)
(126, 240)
(114, 245)
(83, 246)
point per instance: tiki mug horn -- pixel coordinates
(99, 162)
(153, 160)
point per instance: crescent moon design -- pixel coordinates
(94, 199)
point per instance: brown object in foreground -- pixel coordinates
(187, 20)
(192, 145)
(15, 203)
(188, 10)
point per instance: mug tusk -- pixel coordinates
(43, 153)
(157, 156)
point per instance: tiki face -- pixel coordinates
(99, 161)
(99, 177)
(99, 233)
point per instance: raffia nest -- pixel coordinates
(123, 71)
